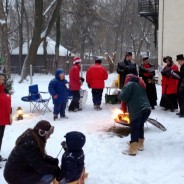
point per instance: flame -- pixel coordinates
(120, 116)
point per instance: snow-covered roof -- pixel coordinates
(50, 49)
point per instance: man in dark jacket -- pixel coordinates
(72, 163)
(95, 77)
(58, 88)
(134, 95)
(180, 59)
(28, 162)
(126, 67)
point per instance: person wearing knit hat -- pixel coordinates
(95, 77)
(75, 84)
(28, 161)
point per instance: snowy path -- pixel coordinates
(160, 163)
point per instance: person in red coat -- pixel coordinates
(169, 86)
(95, 77)
(5, 110)
(75, 84)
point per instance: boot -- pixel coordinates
(133, 148)
(55, 117)
(141, 144)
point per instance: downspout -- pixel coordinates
(163, 20)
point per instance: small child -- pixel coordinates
(58, 88)
(72, 163)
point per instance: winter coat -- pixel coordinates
(147, 72)
(134, 95)
(75, 80)
(72, 163)
(58, 87)
(5, 106)
(125, 67)
(169, 83)
(96, 75)
(181, 74)
(27, 162)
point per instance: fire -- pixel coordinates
(119, 116)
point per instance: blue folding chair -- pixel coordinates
(36, 100)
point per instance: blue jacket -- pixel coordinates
(72, 163)
(58, 87)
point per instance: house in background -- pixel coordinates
(40, 62)
(171, 29)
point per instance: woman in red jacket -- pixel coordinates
(169, 86)
(95, 77)
(75, 84)
(5, 110)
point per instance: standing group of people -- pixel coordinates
(59, 87)
(140, 97)
(173, 85)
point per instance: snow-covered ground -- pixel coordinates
(162, 161)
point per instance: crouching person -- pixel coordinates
(28, 162)
(72, 163)
(134, 95)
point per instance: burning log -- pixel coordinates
(121, 117)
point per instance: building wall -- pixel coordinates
(171, 29)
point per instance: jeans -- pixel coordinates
(75, 101)
(46, 179)
(97, 96)
(60, 108)
(137, 126)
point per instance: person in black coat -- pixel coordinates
(147, 72)
(126, 67)
(72, 163)
(28, 162)
(180, 59)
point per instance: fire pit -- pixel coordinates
(121, 117)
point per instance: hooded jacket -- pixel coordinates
(28, 162)
(58, 87)
(5, 106)
(72, 163)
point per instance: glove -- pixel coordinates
(57, 172)
(55, 96)
(64, 145)
(89, 86)
(82, 79)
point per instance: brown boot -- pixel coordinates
(133, 148)
(141, 144)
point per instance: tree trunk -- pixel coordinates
(38, 35)
(4, 40)
(58, 36)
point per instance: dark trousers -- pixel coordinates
(181, 100)
(97, 96)
(2, 128)
(137, 126)
(75, 101)
(60, 109)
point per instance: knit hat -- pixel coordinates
(43, 128)
(77, 60)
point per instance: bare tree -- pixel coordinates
(4, 45)
(38, 33)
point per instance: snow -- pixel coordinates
(2, 22)
(50, 6)
(161, 161)
(50, 48)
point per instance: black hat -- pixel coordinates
(128, 54)
(179, 57)
(167, 58)
(75, 140)
(145, 58)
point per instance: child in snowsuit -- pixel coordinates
(72, 163)
(59, 91)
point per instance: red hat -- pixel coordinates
(77, 60)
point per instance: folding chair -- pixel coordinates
(36, 100)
